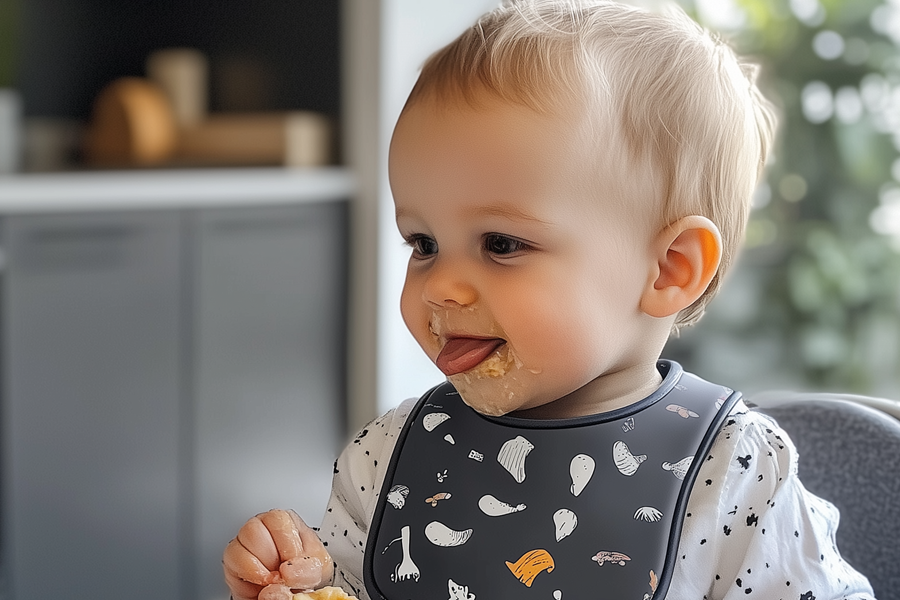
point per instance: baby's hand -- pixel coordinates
(275, 547)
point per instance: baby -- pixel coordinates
(573, 180)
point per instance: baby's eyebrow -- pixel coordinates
(508, 211)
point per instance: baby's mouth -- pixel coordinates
(460, 354)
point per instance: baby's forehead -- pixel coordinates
(596, 158)
(578, 116)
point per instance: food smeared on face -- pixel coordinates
(468, 359)
(527, 265)
(463, 353)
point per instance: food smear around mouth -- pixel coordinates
(494, 386)
(460, 354)
(495, 365)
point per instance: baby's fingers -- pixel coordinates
(313, 547)
(256, 538)
(242, 564)
(240, 589)
(284, 532)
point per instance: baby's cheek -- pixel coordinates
(548, 333)
(564, 350)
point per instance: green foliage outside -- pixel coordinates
(815, 301)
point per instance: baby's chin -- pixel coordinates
(495, 386)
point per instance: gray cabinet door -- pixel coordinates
(92, 402)
(268, 355)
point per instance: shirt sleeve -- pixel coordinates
(753, 531)
(358, 475)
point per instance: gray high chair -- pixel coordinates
(849, 449)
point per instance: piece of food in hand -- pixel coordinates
(281, 592)
(326, 593)
(276, 591)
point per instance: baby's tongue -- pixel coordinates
(462, 353)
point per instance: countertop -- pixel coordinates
(84, 191)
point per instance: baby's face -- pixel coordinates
(526, 271)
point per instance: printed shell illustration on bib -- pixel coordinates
(441, 535)
(432, 420)
(680, 468)
(595, 497)
(626, 462)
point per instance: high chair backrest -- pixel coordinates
(849, 454)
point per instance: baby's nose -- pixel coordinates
(447, 286)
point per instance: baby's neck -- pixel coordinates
(608, 392)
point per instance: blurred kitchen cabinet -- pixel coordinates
(269, 379)
(166, 375)
(92, 404)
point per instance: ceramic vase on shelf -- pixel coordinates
(10, 130)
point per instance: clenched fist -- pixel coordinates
(278, 552)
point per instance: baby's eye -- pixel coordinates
(501, 245)
(422, 246)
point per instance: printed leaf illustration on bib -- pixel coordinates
(512, 456)
(530, 565)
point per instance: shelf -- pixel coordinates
(170, 189)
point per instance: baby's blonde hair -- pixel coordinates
(678, 95)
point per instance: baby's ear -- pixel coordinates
(687, 255)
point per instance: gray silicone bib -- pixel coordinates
(479, 508)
